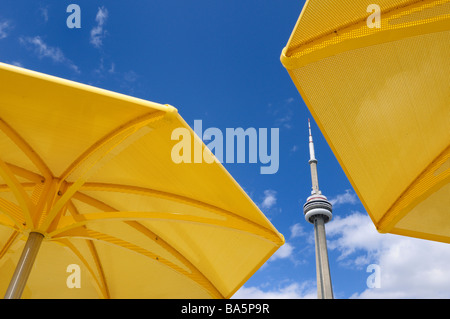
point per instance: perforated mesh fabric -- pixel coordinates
(320, 18)
(382, 100)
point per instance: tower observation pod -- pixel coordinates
(318, 211)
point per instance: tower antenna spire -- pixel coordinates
(318, 211)
(313, 164)
(312, 155)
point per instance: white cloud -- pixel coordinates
(290, 100)
(98, 33)
(305, 290)
(354, 233)
(283, 252)
(112, 69)
(43, 50)
(282, 113)
(410, 267)
(285, 119)
(270, 199)
(5, 26)
(297, 230)
(100, 70)
(130, 76)
(44, 13)
(347, 198)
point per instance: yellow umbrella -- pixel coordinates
(89, 186)
(375, 76)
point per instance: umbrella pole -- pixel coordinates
(23, 269)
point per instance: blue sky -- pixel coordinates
(218, 61)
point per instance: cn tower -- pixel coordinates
(317, 210)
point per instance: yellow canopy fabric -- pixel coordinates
(381, 97)
(92, 171)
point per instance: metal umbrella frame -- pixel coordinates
(87, 177)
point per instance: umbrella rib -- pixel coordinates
(97, 155)
(27, 186)
(12, 211)
(206, 283)
(38, 183)
(363, 20)
(6, 220)
(202, 281)
(99, 266)
(78, 229)
(239, 220)
(19, 192)
(27, 174)
(93, 251)
(77, 253)
(132, 125)
(394, 214)
(112, 214)
(147, 232)
(347, 37)
(26, 148)
(9, 242)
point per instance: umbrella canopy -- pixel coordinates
(380, 94)
(90, 172)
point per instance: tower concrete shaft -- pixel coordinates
(318, 211)
(324, 288)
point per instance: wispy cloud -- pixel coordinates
(297, 230)
(283, 252)
(354, 233)
(282, 113)
(130, 76)
(16, 63)
(5, 27)
(44, 13)
(347, 198)
(290, 100)
(112, 69)
(101, 69)
(285, 120)
(43, 50)
(269, 200)
(98, 32)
